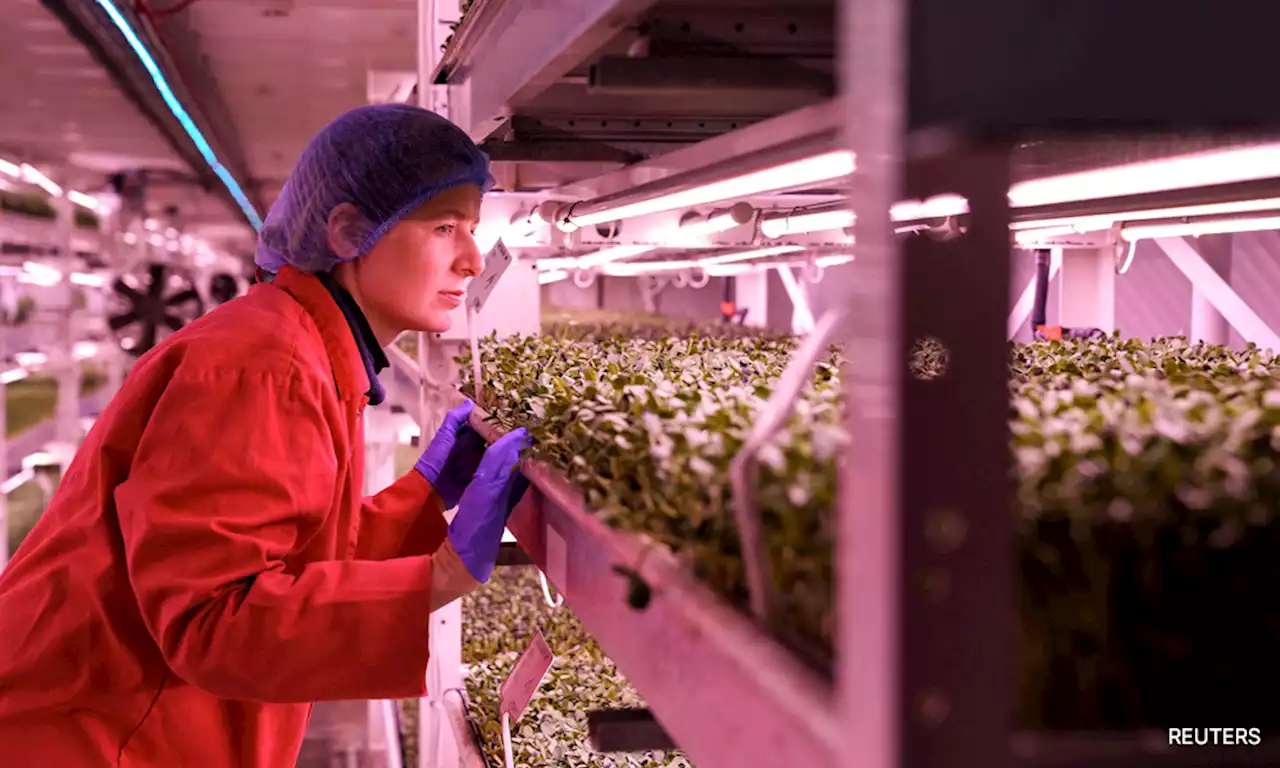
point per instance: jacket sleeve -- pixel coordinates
(405, 519)
(235, 471)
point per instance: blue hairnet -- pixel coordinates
(386, 160)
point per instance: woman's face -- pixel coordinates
(416, 275)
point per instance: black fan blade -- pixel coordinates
(116, 322)
(129, 291)
(183, 297)
(174, 323)
(148, 338)
(156, 288)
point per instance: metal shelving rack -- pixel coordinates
(937, 99)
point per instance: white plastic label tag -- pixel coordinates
(496, 264)
(517, 690)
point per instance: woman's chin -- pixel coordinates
(435, 322)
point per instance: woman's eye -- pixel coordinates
(446, 229)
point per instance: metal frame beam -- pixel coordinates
(817, 125)
(204, 99)
(1207, 323)
(1219, 292)
(680, 75)
(801, 315)
(539, 43)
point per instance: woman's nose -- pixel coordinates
(470, 262)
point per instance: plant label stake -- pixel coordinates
(477, 294)
(518, 689)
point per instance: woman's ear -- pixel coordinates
(344, 231)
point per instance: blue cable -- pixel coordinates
(176, 108)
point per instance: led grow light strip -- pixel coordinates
(830, 166)
(608, 255)
(32, 175)
(730, 270)
(1100, 222)
(758, 253)
(29, 174)
(557, 263)
(1203, 169)
(632, 269)
(1196, 228)
(181, 114)
(714, 265)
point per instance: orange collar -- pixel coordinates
(339, 342)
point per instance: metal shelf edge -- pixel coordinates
(725, 692)
(816, 126)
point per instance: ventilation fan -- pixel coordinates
(223, 288)
(148, 311)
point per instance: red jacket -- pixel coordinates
(207, 567)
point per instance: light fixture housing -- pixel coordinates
(1201, 227)
(799, 222)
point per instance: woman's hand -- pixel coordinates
(451, 459)
(476, 529)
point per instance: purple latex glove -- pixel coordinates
(452, 456)
(476, 529)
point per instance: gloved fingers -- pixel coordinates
(465, 458)
(458, 418)
(517, 486)
(454, 424)
(470, 441)
(443, 443)
(503, 455)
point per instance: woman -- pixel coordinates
(207, 568)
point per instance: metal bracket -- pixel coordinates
(510, 553)
(626, 730)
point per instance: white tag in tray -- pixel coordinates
(495, 264)
(518, 689)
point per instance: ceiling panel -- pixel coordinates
(285, 69)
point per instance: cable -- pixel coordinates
(546, 592)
